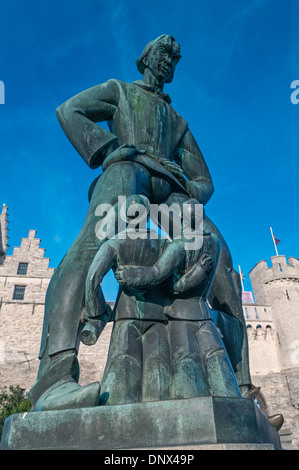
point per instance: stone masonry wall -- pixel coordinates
(20, 333)
(21, 320)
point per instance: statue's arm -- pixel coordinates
(193, 278)
(104, 260)
(189, 156)
(78, 117)
(96, 313)
(148, 276)
(201, 274)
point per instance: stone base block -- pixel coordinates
(187, 423)
(185, 449)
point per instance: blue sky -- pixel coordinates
(232, 86)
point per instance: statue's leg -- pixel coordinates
(220, 375)
(156, 374)
(122, 377)
(225, 296)
(65, 295)
(188, 369)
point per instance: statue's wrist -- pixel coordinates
(111, 147)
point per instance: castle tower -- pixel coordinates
(3, 233)
(278, 286)
(275, 354)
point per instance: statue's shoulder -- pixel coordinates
(123, 89)
(120, 83)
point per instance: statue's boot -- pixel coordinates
(56, 388)
(67, 395)
(276, 421)
(253, 392)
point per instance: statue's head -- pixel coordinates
(136, 207)
(161, 57)
(192, 214)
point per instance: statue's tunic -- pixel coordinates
(139, 117)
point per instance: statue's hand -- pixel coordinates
(120, 275)
(207, 262)
(134, 276)
(122, 153)
(105, 316)
(175, 169)
(178, 287)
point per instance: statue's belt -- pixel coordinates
(155, 168)
(152, 164)
(181, 309)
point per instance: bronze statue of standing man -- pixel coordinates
(151, 151)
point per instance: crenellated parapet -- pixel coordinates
(263, 277)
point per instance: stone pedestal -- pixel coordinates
(193, 423)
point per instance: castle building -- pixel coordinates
(24, 278)
(273, 333)
(271, 314)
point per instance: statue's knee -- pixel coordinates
(125, 361)
(218, 353)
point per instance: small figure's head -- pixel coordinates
(192, 214)
(160, 57)
(136, 207)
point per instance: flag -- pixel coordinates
(276, 241)
(241, 274)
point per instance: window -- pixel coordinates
(22, 269)
(19, 292)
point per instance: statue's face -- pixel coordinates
(162, 61)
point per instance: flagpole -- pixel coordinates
(274, 241)
(241, 277)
